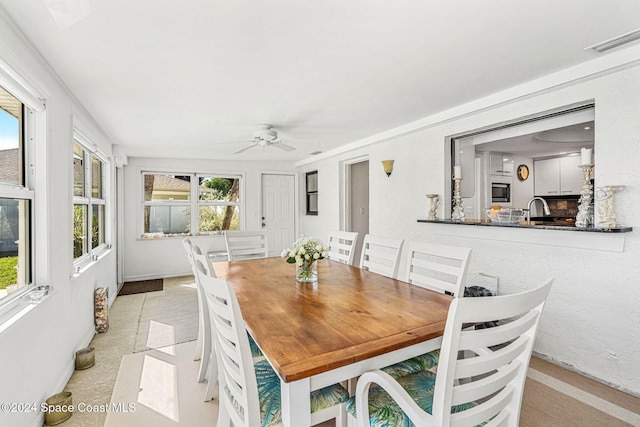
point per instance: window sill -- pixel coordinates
(178, 236)
(15, 310)
(85, 263)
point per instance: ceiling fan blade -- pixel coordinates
(245, 148)
(232, 142)
(283, 147)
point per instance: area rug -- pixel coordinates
(130, 288)
(169, 317)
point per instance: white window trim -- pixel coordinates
(81, 263)
(11, 302)
(194, 203)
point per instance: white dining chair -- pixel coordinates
(248, 244)
(187, 244)
(249, 392)
(208, 363)
(341, 246)
(441, 268)
(381, 255)
(485, 389)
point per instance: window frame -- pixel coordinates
(90, 152)
(194, 203)
(201, 203)
(24, 191)
(309, 193)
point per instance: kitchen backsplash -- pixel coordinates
(566, 208)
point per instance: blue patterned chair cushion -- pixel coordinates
(424, 362)
(269, 394)
(383, 410)
(255, 350)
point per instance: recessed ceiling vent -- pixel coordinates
(315, 153)
(615, 42)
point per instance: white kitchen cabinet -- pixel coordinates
(546, 177)
(559, 176)
(501, 164)
(570, 175)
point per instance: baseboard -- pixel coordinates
(584, 374)
(154, 276)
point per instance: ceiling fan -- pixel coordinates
(266, 136)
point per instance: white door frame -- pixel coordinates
(345, 196)
(296, 197)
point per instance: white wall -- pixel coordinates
(37, 351)
(165, 257)
(592, 317)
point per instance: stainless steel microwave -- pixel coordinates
(500, 192)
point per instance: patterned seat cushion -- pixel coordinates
(255, 350)
(269, 394)
(383, 410)
(424, 362)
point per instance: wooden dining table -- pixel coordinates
(316, 335)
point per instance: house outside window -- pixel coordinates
(16, 196)
(190, 204)
(89, 202)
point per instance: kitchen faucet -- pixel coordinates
(544, 205)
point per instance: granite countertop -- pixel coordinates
(545, 225)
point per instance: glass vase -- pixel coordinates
(307, 272)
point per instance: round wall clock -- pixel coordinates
(523, 172)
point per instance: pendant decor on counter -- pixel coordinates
(433, 205)
(584, 219)
(305, 254)
(457, 211)
(605, 205)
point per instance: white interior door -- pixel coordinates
(278, 211)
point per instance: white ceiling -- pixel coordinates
(175, 78)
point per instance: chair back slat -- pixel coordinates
(490, 361)
(501, 333)
(203, 258)
(441, 268)
(470, 392)
(238, 386)
(496, 405)
(381, 255)
(246, 244)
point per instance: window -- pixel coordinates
(218, 203)
(170, 208)
(89, 201)
(16, 199)
(312, 193)
(539, 142)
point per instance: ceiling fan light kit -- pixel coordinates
(266, 136)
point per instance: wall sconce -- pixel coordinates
(388, 166)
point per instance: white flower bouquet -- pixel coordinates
(305, 252)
